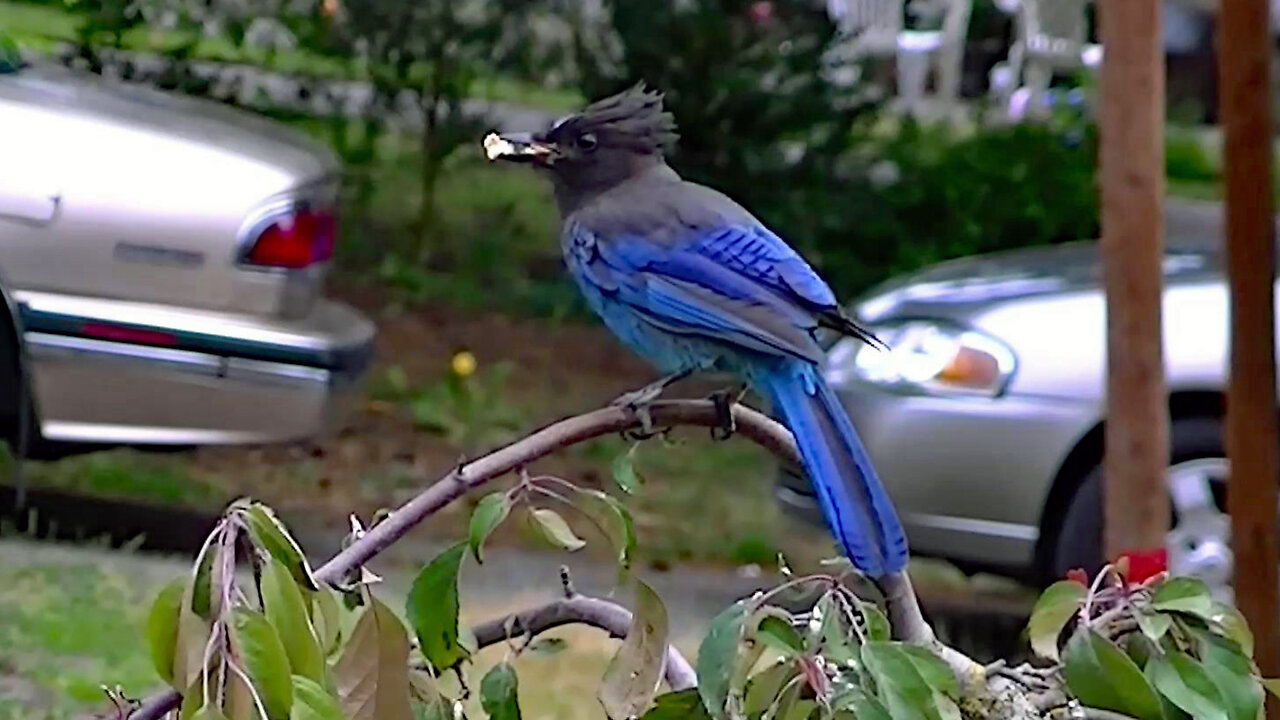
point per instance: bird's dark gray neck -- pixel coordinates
(575, 191)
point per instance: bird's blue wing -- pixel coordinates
(721, 284)
(755, 252)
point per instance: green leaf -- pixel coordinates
(613, 520)
(784, 705)
(201, 600)
(624, 471)
(162, 628)
(935, 673)
(1187, 686)
(432, 705)
(780, 634)
(1100, 675)
(313, 702)
(904, 691)
(192, 637)
(208, 712)
(681, 705)
(488, 515)
(286, 610)
(258, 647)
(270, 535)
(327, 619)
(1154, 624)
(766, 685)
(432, 609)
(1233, 625)
(1052, 612)
(192, 700)
(1183, 594)
(866, 707)
(556, 530)
(631, 680)
(547, 646)
(372, 673)
(1232, 673)
(717, 656)
(1272, 685)
(876, 624)
(498, 694)
(837, 640)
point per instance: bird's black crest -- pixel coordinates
(634, 118)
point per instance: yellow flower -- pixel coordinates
(463, 364)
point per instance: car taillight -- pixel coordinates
(294, 241)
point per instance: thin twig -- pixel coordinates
(579, 610)
(752, 425)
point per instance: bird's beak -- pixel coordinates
(518, 147)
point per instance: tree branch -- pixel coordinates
(752, 425)
(579, 609)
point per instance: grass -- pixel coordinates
(70, 621)
(42, 27)
(126, 474)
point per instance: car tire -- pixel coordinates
(1078, 541)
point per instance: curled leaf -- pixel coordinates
(556, 530)
(631, 680)
(488, 515)
(717, 658)
(624, 471)
(1101, 675)
(162, 628)
(1051, 613)
(1183, 594)
(313, 702)
(372, 674)
(286, 610)
(1186, 684)
(432, 609)
(258, 646)
(499, 693)
(270, 535)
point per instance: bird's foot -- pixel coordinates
(724, 400)
(637, 402)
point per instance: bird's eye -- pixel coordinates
(587, 142)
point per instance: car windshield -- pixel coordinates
(10, 57)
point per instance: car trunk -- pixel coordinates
(119, 192)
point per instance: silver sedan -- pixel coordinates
(161, 270)
(985, 417)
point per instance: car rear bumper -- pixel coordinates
(969, 475)
(118, 372)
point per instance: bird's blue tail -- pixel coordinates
(854, 502)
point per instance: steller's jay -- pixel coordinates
(692, 282)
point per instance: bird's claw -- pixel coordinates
(725, 425)
(637, 402)
(724, 400)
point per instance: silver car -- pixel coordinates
(985, 418)
(162, 259)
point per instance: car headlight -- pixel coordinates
(925, 357)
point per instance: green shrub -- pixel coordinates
(761, 120)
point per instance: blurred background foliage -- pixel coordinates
(763, 113)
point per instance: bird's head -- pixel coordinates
(588, 152)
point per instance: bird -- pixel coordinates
(692, 282)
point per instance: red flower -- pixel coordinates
(1077, 575)
(1139, 566)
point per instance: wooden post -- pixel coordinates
(1244, 64)
(1131, 109)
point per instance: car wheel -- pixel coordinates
(1199, 541)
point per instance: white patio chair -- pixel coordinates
(1051, 36)
(875, 28)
